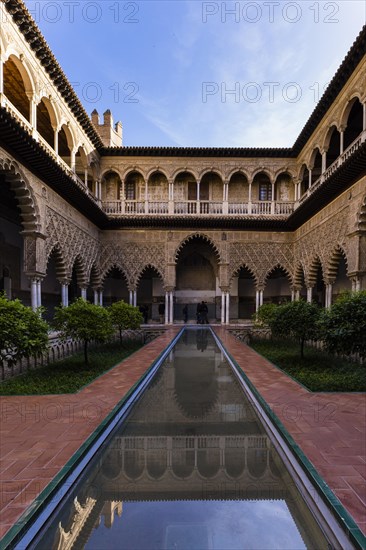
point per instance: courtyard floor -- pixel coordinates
(39, 434)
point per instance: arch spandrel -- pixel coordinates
(261, 258)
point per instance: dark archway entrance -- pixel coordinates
(11, 245)
(197, 279)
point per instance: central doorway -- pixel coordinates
(197, 279)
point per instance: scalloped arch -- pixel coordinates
(362, 216)
(150, 265)
(110, 267)
(60, 263)
(29, 210)
(313, 270)
(78, 264)
(200, 236)
(278, 266)
(333, 263)
(249, 269)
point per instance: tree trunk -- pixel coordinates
(86, 352)
(302, 347)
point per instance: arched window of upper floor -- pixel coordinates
(334, 147)
(65, 144)
(46, 121)
(304, 179)
(262, 187)
(131, 185)
(317, 166)
(16, 87)
(111, 186)
(354, 123)
(284, 188)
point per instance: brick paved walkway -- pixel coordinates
(329, 427)
(40, 434)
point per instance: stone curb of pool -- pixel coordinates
(344, 518)
(24, 523)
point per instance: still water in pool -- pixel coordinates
(191, 468)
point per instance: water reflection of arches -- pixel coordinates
(183, 457)
(156, 457)
(257, 462)
(208, 459)
(234, 456)
(196, 387)
(134, 463)
(112, 464)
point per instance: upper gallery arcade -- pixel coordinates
(82, 215)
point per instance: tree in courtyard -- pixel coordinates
(23, 332)
(297, 320)
(84, 321)
(343, 325)
(125, 317)
(264, 315)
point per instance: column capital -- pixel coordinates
(169, 288)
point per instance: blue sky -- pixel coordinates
(192, 73)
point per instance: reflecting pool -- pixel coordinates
(191, 468)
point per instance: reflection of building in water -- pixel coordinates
(178, 446)
(85, 517)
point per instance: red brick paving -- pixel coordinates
(39, 434)
(328, 427)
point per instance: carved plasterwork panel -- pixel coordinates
(132, 259)
(261, 258)
(322, 241)
(72, 241)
